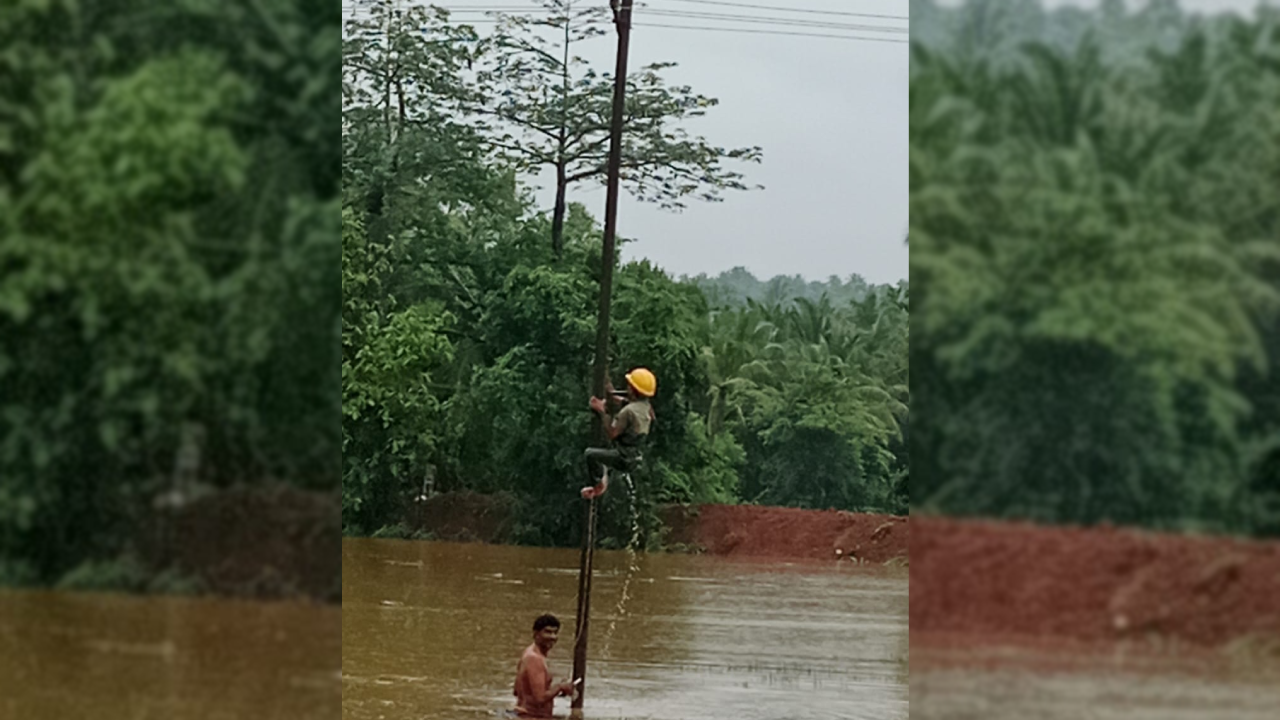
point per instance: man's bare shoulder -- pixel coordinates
(530, 656)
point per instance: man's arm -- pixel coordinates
(537, 677)
(613, 425)
(619, 423)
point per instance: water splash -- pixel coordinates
(633, 566)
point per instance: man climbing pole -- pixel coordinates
(628, 429)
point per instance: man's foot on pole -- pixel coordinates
(590, 493)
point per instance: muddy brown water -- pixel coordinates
(433, 630)
(66, 656)
(1095, 688)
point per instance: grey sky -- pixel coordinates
(831, 116)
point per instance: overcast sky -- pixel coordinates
(830, 114)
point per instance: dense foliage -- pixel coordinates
(168, 244)
(1097, 250)
(468, 338)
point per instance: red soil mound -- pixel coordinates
(738, 530)
(755, 531)
(989, 581)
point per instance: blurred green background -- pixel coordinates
(1095, 229)
(169, 249)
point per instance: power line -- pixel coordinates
(732, 18)
(782, 22)
(728, 18)
(772, 32)
(774, 21)
(649, 8)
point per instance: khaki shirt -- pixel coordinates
(633, 422)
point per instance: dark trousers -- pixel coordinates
(597, 459)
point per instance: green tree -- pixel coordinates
(168, 237)
(547, 109)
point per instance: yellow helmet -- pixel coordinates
(643, 382)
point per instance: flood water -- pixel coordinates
(67, 656)
(1151, 690)
(434, 630)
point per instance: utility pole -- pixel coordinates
(622, 22)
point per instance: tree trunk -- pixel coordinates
(557, 217)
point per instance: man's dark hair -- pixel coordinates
(545, 621)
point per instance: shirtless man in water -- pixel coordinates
(534, 692)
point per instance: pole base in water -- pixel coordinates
(584, 606)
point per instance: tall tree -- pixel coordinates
(550, 110)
